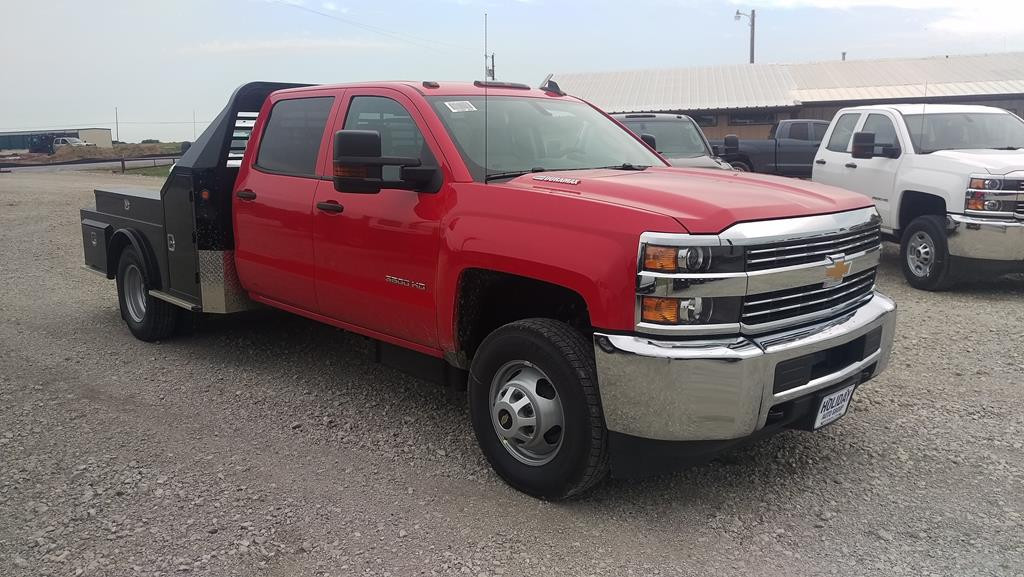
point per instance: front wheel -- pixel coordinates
(924, 254)
(148, 318)
(535, 408)
(740, 166)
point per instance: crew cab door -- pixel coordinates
(273, 199)
(833, 152)
(376, 258)
(794, 149)
(873, 177)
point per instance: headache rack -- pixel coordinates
(186, 226)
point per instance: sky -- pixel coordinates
(161, 64)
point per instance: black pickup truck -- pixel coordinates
(788, 151)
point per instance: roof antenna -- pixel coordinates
(550, 85)
(485, 98)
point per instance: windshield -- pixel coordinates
(674, 138)
(964, 131)
(536, 134)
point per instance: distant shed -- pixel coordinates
(746, 99)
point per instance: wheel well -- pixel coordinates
(914, 204)
(489, 299)
(124, 238)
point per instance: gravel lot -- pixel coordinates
(266, 444)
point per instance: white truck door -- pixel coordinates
(876, 177)
(833, 151)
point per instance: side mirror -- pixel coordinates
(649, 140)
(715, 151)
(732, 144)
(358, 166)
(863, 145)
(891, 151)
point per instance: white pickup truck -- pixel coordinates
(948, 181)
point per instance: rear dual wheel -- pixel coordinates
(147, 317)
(535, 408)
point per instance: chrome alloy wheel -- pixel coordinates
(526, 413)
(921, 254)
(134, 293)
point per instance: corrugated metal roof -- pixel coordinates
(778, 85)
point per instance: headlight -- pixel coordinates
(690, 311)
(692, 259)
(991, 202)
(986, 184)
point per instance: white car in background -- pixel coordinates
(70, 141)
(948, 181)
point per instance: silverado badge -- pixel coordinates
(836, 271)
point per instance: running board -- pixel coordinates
(175, 300)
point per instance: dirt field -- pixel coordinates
(266, 444)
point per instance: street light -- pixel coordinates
(753, 18)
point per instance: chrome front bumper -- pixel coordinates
(722, 389)
(985, 238)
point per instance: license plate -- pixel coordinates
(833, 406)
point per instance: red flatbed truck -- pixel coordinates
(606, 312)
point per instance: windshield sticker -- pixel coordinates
(460, 106)
(558, 179)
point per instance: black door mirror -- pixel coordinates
(715, 150)
(358, 166)
(863, 145)
(732, 144)
(891, 151)
(649, 139)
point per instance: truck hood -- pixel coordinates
(991, 161)
(697, 162)
(704, 201)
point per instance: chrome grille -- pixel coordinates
(795, 302)
(789, 253)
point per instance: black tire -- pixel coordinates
(158, 318)
(563, 354)
(940, 273)
(740, 166)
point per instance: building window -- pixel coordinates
(748, 118)
(705, 119)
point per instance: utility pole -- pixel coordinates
(193, 124)
(117, 127)
(753, 25)
(488, 58)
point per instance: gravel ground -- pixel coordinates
(266, 444)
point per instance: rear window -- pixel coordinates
(843, 131)
(291, 140)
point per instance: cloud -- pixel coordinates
(284, 45)
(990, 19)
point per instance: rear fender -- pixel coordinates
(124, 237)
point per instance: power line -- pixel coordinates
(421, 42)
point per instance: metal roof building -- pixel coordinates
(739, 98)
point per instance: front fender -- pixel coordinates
(588, 247)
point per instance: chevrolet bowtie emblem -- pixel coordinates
(836, 271)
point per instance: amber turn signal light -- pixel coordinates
(660, 258)
(660, 310)
(350, 171)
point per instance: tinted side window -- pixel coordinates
(818, 130)
(885, 132)
(399, 135)
(291, 140)
(798, 131)
(842, 133)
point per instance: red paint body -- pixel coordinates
(332, 266)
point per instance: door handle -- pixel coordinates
(246, 194)
(851, 165)
(330, 206)
(820, 161)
